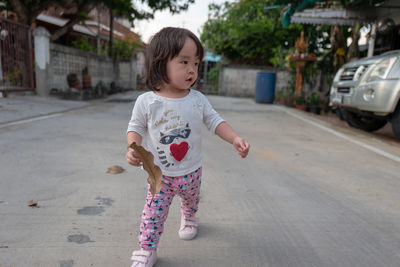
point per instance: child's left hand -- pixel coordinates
(241, 146)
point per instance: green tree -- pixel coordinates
(28, 10)
(246, 32)
(124, 49)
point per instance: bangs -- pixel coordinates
(178, 41)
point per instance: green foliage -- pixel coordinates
(281, 57)
(27, 10)
(245, 32)
(326, 42)
(313, 99)
(14, 78)
(299, 99)
(124, 49)
(84, 45)
(320, 44)
(289, 95)
(279, 95)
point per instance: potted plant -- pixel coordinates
(280, 98)
(289, 98)
(299, 101)
(313, 103)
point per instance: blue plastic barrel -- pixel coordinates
(265, 87)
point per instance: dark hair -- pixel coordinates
(166, 45)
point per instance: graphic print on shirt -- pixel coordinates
(172, 144)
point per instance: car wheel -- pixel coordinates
(340, 113)
(348, 118)
(368, 124)
(396, 122)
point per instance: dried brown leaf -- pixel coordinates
(155, 174)
(32, 203)
(115, 169)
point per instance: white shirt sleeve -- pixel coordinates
(138, 122)
(210, 117)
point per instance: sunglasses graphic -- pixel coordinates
(168, 139)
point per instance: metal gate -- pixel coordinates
(16, 61)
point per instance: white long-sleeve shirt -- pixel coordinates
(172, 127)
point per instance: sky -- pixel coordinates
(191, 19)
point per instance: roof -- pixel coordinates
(354, 11)
(92, 27)
(62, 22)
(330, 16)
(103, 27)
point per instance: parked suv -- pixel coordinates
(367, 91)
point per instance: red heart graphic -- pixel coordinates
(179, 151)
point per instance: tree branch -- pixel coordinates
(85, 6)
(22, 12)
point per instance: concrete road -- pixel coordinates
(309, 194)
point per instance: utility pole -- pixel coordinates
(111, 33)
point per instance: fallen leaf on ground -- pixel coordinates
(115, 169)
(32, 203)
(155, 174)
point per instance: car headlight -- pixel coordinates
(369, 94)
(381, 70)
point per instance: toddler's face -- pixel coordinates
(182, 70)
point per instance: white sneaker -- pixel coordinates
(188, 228)
(144, 258)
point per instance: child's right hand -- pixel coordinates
(241, 146)
(131, 159)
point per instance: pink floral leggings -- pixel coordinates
(154, 216)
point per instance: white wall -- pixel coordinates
(241, 80)
(65, 60)
(54, 62)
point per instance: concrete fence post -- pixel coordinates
(42, 60)
(221, 85)
(116, 73)
(133, 75)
